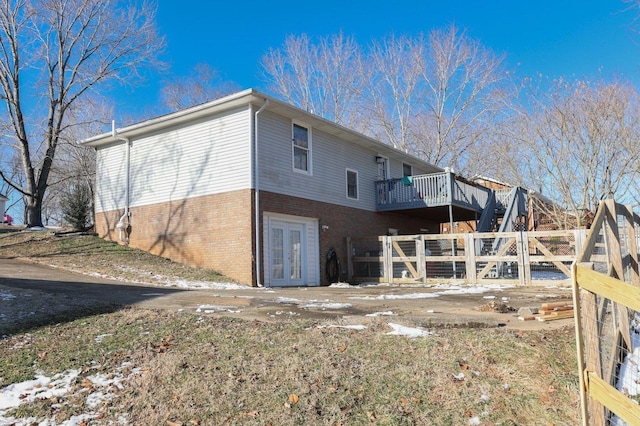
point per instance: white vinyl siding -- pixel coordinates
(206, 157)
(331, 155)
(111, 177)
(397, 169)
(330, 158)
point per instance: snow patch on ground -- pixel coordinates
(163, 281)
(397, 296)
(41, 387)
(102, 388)
(380, 314)
(326, 305)
(101, 337)
(411, 332)
(287, 300)
(6, 296)
(629, 376)
(442, 290)
(211, 309)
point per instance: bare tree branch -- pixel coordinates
(53, 53)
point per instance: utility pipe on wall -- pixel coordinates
(256, 192)
(124, 222)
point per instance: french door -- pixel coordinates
(287, 253)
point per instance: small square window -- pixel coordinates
(352, 184)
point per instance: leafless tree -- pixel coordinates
(321, 77)
(577, 144)
(466, 94)
(76, 164)
(436, 97)
(53, 53)
(392, 70)
(202, 85)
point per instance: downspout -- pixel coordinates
(256, 192)
(124, 222)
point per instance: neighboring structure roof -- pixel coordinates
(246, 97)
(481, 178)
(3, 198)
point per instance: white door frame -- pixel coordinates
(277, 229)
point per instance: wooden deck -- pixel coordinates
(430, 191)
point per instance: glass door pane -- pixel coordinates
(277, 253)
(295, 253)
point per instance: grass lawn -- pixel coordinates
(147, 367)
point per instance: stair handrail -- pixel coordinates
(517, 207)
(488, 213)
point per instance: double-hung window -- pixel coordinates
(301, 148)
(352, 184)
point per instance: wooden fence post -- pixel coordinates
(522, 274)
(387, 262)
(421, 266)
(470, 258)
(349, 259)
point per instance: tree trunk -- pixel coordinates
(33, 211)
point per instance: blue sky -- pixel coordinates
(592, 39)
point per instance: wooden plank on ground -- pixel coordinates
(553, 305)
(555, 316)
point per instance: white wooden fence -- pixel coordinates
(522, 258)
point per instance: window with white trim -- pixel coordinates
(352, 184)
(301, 148)
(407, 170)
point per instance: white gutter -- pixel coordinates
(124, 222)
(256, 192)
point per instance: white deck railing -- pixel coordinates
(432, 190)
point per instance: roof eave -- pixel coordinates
(178, 117)
(247, 97)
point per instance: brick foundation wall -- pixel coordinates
(343, 222)
(213, 232)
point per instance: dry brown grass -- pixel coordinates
(225, 371)
(186, 369)
(75, 252)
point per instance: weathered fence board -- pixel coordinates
(606, 295)
(523, 258)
